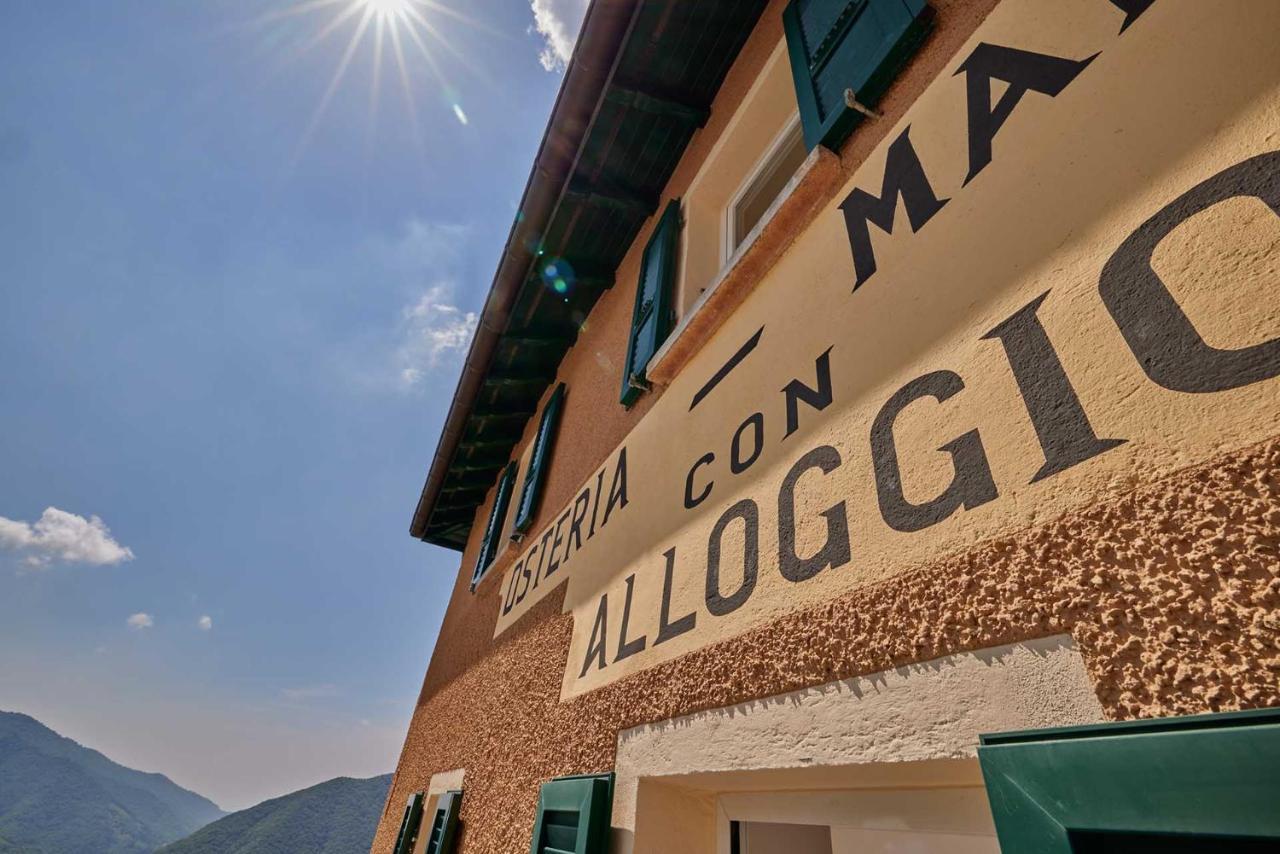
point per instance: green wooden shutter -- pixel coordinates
(538, 461)
(837, 45)
(573, 816)
(653, 316)
(1199, 783)
(444, 823)
(493, 530)
(409, 826)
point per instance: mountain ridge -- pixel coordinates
(58, 796)
(338, 816)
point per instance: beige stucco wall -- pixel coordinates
(1027, 226)
(1159, 557)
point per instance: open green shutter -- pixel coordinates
(573, 815)
(839, 45)
(409, 826)
(444, 823)
(538, 461)
(1199, 783)
(497, 516)
(653, 316)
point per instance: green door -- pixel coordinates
(573, 815)
(1206, 783)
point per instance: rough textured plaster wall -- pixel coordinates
(593, 423)
(1172, 593)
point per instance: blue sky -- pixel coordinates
(230, 325)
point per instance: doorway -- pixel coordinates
(954, 819)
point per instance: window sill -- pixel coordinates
(794, 209)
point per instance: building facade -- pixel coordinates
(870, 443)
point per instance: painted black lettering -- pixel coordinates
(524, 577)
(510, 600)
(689, 501)
(1024, 71)
(618, 491)
(903, 177)
(575, 525)
(1065, 434)
(736, 464)
(749, 513)
(818, 398)
(668, 628)
(1159, 334)
(542, 553)
(835, 550)
(971, 486)
(554, 563)
(628, 648)
(599, 636)
(595, 505)
(1132, 9)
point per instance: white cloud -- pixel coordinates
(557, 21)
(140, 621)
(429, 329)
(205, 623)
(433, 331)
(62, 536)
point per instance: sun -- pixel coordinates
(401, 32)
(387, 8)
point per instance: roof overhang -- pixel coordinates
(639, 84)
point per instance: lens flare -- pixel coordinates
(397, 29)
(557, 274)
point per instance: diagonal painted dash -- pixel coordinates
(734, 361)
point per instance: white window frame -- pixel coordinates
(728, 249)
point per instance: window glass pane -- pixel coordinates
(768, 184)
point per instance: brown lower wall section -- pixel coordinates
(1172, 593)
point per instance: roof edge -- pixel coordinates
(592, 66)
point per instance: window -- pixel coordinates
(653, 317)
(493, 529)
(409, 826)
(573, 815)
(444, 823)
(765, 183)
(1199, 783)
(538, 463)
(762, 123)
(847, 45)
